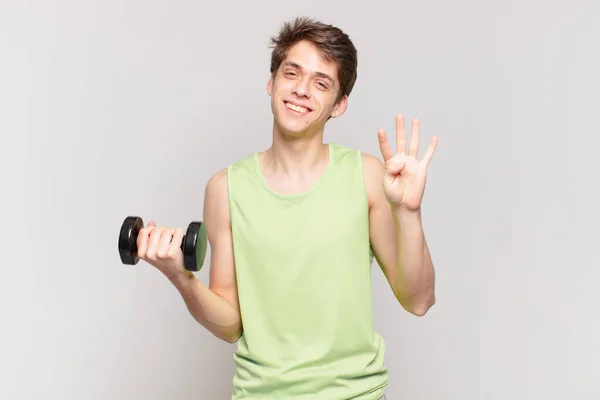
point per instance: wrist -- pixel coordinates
(403, 212)
(181, 279)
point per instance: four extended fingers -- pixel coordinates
(413, 146)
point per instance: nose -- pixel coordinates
(301, 88)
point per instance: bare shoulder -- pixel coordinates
(372, 164)
(217, 184)
(373, 170)
(216, 198)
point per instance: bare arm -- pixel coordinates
(216, 307)
(399, 245)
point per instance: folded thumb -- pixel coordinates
(396, 168)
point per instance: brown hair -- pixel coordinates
(334, 45)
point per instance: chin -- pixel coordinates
(294, 124)
(293, 130)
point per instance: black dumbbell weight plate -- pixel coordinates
(194, 246)
(128, 240)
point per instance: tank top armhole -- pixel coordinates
(229, 184)
(230, 191)
(361, 173)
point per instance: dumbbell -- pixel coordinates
(193, 244)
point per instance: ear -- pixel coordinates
(340, 107)
(270, 85)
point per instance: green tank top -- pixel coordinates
(303, 267)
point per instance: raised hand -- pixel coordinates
(405, 176)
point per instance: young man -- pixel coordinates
(293, 232)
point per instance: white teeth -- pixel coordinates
(296, 108)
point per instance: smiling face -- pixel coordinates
(304, 91)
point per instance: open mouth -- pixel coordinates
(296, 108)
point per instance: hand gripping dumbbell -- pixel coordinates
(193, 244)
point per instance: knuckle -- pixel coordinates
(172, 253)
(151, 254)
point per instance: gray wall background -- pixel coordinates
(128, 107)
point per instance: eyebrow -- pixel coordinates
(318, 73)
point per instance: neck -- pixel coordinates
(296, 156)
